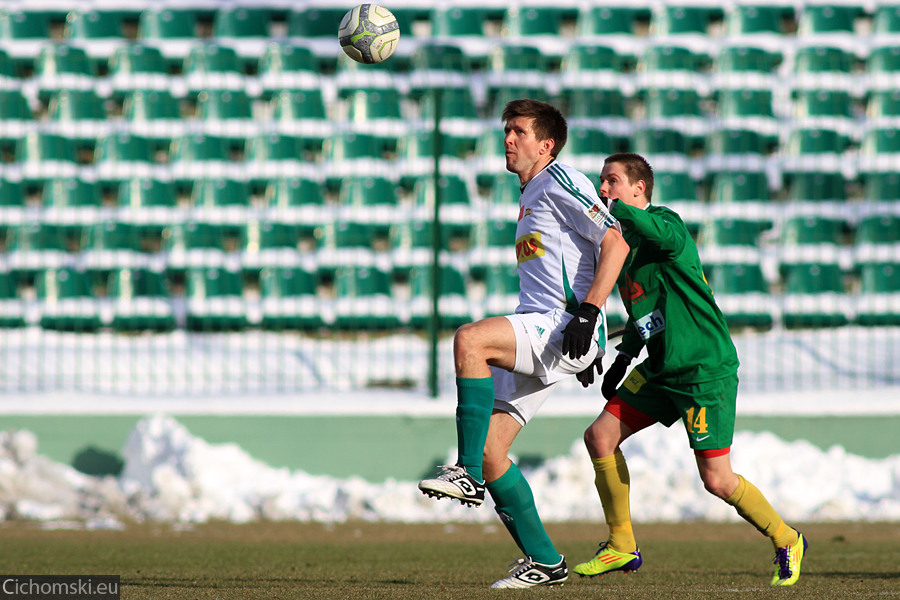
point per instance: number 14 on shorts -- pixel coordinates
(695, 419)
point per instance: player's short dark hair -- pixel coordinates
(636, 169)
(548, 121)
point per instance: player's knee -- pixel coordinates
(598, 444)
(717, 485)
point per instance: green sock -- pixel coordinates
(475, 403)
(515, 504)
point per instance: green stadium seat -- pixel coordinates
(452, 307)
(883, 104)
(817, 187)
(95, 24)
(45, 156)
(366, 106)
(678, 20)
(71, 203)
(879, 150)
(12, 195)
(878, 229)
(610, 20)
(12, 312)
(527, 21)
(740, 186)
(215, 300)
(815, 230)
(147, 193)
(500, 93)
(669, 65)
(731, 232)
(442, 66)
(152, 105)
(595, 103)
(137, 66)
(589, 141)
(667, 103)
(60, 66)
(112, 245)
(290, 192)
(121, 156)
(210, 66)
(141, 301)
(814, 296)
(362, 192)
(342, 242)
(742, 66)
(194, 244)
(757, 18)
(32, 247)
(24, 24)
(242, 22)
(228, 113)
(593, 66)
(349, 153)
(742, 294)
(886, 19)
(67, 301)
(823, 67)
(745, 103)
(220, 193)
(491, 244)
(16, 117)
(274, 155)
(315, 21)
(287, 66)
(652, 141)
(411, 244)
(415, 152)
(198, 155)
(813, 149)
(881, 187)
(882, 68)
(878, 302)
(823, 103)
(518, 57)
(674, 187)
(364, 300)
(501, 283)
(828, 18)
(270, 244)
(456, 202)
(291, 106)
(168, 23)
(738, 149)
(461, 21)
(456, 103)
(289, 299)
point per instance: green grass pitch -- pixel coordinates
(424, 562)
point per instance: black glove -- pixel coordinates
(579, 333)
(586, 377)
(614, 376)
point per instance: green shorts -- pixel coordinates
(707, 409)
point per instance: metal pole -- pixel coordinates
(434, 321)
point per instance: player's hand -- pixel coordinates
(586, 377)
(614, 376)
(579, 333)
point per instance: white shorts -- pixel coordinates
(540, 363)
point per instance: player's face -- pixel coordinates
(614, 184)
(525, 155)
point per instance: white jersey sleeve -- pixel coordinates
(561, 224)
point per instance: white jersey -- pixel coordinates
(561, 224)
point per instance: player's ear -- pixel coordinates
(548, 145)
(640, 187)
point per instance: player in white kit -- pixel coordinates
(570, 252)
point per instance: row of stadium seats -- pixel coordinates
(532, 19)
(368, 298)
(288, 64)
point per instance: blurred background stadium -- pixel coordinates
(206, 199)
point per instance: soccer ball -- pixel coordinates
(369, 33)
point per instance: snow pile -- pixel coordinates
(172, 476)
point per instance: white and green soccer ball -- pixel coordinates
(369, 33)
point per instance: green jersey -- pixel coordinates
(670, 305)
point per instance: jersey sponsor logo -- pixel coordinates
(650, 325)
(634, 382)
(631, 291)
(601, 216)
(524, 212)
(529, 246)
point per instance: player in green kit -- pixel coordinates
(690, 374)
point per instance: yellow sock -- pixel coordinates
(756, 510)
(613, 483)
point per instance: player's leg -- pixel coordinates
(476, 347)
(616, 423)
(709, 419)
